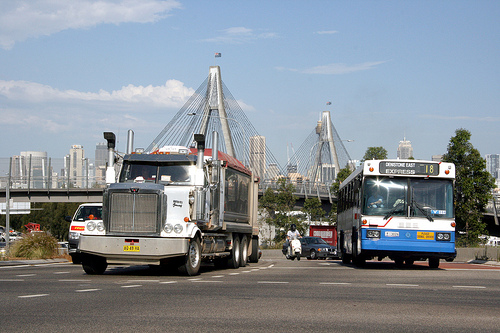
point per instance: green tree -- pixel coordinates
(313, 209)
(375, 153)
(278, 206)
(473, 186)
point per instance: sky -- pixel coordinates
(420, 70)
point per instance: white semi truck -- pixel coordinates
(175, 206)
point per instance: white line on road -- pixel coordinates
(25, 275)
(31, 296)
(207, 281)
(132, 286)
(61, 272)
(86, 290)
(218, 276)
(11, 280)
(168, 282)
(401, 285)
(74, 280)
(143, 281)
(234, 273)
(273, 282)
(472, 287)
(336, 283)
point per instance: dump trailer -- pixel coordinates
(175, 206)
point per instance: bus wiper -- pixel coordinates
(396, 209)
(423, 211)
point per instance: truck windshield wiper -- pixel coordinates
(396, 209)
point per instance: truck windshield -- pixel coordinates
(172, 173)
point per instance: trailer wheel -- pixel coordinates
(234, 260)
(94, 265)
(244, 251)
(192, 261)
(254, 257)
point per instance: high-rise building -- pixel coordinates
(405, 151)
(101, 154)
(258, 155)
(77, 166)
(493, 165)
(30, 170)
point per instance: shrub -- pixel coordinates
(35, 245)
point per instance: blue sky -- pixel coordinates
(70, 70)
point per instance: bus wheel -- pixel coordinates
(409, 262)
(433, 262)
(346, 258)
(359, 261)
(399, 262)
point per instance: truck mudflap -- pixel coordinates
(133, 249)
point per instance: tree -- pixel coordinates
(375, 153)
(278, 205)
(312, 208)
(473, 186)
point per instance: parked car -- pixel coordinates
(317, 248)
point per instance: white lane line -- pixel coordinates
(168, 282)
(11, 280)
(142, 281)
(25, 275)
(194, 279)
(74, 280)
(336, 283)
(401, 285)
(234, 273)
(31, 296)
(471, 287)
(61, 272)
(273, 282)
(207, 281)
(132, 286)
(218, 276)
(86, 290)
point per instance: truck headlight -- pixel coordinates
(100, 226)
(91, 226)
(373, 233)
(168, 228)
(178, 228)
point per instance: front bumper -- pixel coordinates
(133, 250)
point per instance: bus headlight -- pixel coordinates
(91, 226)
(178, 228)
(443, 236)
(373, 233)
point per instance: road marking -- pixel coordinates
(194, 279)
(336, 283)
(132, 286)
(31, 296)
(143, 281)
(206, 281)
(86, 290)
(401, 285)
(273, 282)
(25, 275)
(74, 280)
(218, 276)
(234, 273)
(61, 272)
(168, 282)
(11, 280)
(472, 287)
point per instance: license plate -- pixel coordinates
(391, 234)
(425, 235)
(131, 248)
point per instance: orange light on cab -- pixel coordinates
(186, 219)
(447, 172)
(453, 224)
(365, 222)
(371, 169)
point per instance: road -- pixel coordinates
(274, 295)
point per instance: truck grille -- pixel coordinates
(133, 213)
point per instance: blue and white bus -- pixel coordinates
(401, 209)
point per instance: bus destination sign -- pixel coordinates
(409, 168)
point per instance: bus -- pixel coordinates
(400, 209)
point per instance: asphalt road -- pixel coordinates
(274, 295)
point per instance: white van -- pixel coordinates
(85, 212)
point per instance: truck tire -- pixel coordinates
(434, 262)
(254, 257)
(243, 251)
(192, 261)
(94, 265)
(234, 259)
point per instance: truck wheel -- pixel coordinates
(192, 261)
(94, 265)
(254, 257)
(244, 251)
(234, 260)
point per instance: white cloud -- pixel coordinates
(335, 69)
(240, 35)
(327, 32)
(21, 19)
(173, 94)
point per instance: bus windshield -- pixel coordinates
(430, 198)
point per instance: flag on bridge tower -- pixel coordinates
(328, 103)
(218, 55)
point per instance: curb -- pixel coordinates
(4, 263)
